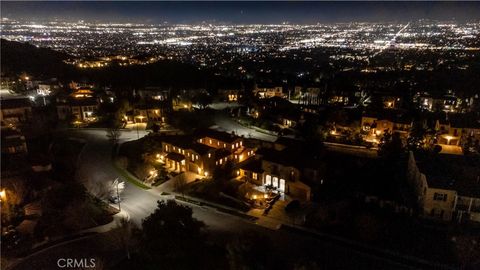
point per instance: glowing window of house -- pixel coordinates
(221, 161)
(232, 146)
(210, 141)
(268, 180)
(183, 152)
(218, 143)
(225, 145)
(174, 148)
(209, 155)
(439, 197)
(254, 176)
(201, 140)
(240, 143)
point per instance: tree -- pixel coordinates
(390, 146)
(249, 250)
(170, 236)
(416, 137)
(123, 235)
(114, 134)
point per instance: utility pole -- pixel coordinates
(122, 186)
(118, 198)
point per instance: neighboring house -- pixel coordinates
(375, 125)
(446, 103)
(288, 166)
(447, 188)
(155, 93)
(83, 110)
(81, 106)
(145, 113)
(181, 104)
(457, 130)
(13, 142)
(339, 98)
(268, 91)
(230, 95)
(15, 111)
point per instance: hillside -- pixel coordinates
(19, 57)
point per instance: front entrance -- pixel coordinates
(281, 187)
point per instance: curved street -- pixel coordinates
(95, 161)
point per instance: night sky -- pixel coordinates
(242, 12)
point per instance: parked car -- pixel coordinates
(114, 199)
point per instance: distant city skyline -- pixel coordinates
(242, 12)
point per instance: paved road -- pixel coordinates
(225, 123)
(96, 162)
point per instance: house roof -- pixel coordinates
(175, 156)
(201, 149)
(13, 103)
(221, 153)
(252, 165)
(452, 172)
(187, 142)
(218, 135)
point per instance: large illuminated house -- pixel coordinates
(289, 167)
(79, 107)
(202, 152)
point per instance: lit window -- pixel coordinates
(210, 141)
(209, 155)
(439, 197)
(254, 176)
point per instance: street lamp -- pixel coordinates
(118, 185)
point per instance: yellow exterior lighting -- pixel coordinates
(3, 195)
